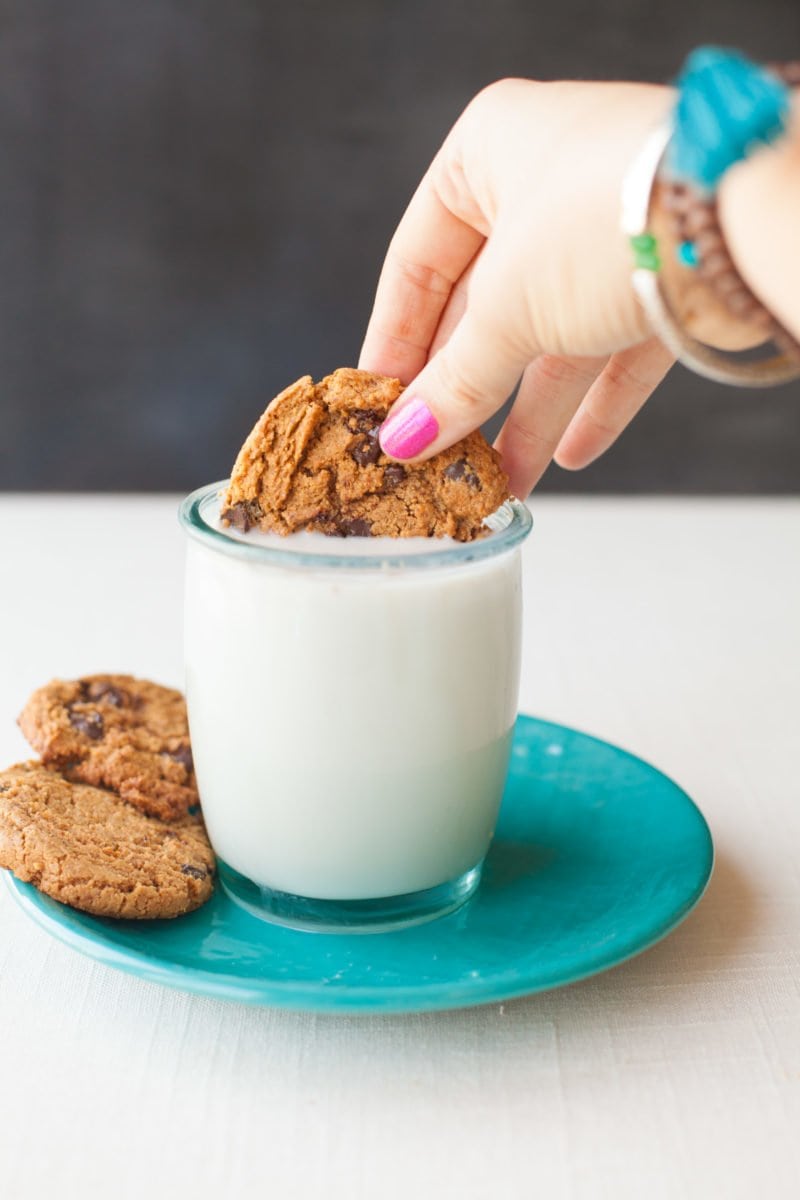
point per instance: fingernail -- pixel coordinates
(409, 430)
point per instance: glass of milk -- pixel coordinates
(351, 705)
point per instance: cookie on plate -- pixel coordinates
(82, 846)
(313, 461)
(117, 732)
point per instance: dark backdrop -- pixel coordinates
(195, 197)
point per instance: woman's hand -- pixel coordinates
(509, 264)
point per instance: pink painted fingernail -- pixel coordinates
(409, 430)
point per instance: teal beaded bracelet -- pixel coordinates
(727, 107)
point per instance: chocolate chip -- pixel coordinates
(366, 451)
(183, 755)
(243, 515)
(461, 472)
(355, 527)
(334, 525)
(195, 872)
(5, 787)
(365, 420)
(108, 693)
(90, 723)
(393, 475)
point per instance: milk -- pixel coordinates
(350, 724)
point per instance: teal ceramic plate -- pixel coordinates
(597, 855)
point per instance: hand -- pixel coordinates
(509, 264)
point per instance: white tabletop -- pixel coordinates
(667, 626)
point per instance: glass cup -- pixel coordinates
(351, 707)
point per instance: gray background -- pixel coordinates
(195, 197)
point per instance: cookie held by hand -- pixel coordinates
(313, 462)
(82, 846)
(117, 732)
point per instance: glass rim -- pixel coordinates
(513, 524)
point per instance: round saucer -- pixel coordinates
(597, 855)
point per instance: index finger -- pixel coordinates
(431, 249)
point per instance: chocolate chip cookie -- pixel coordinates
(313, 461)
(117, 732)
(82, 846)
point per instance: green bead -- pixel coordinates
(649, 262)
(645, 252)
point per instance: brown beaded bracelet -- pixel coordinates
(694, 223)
(696, 228)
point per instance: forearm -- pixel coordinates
(759, 211)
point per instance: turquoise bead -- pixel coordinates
(726, 107)
(686, 254)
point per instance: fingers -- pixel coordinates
(551, 390)
(612, 402)
(464, 383)
(568, 408)
(454, 310)
(429, 252)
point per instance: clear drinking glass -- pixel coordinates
(351, 707)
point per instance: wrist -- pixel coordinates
(758, 203)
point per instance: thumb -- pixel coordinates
(466, 381)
